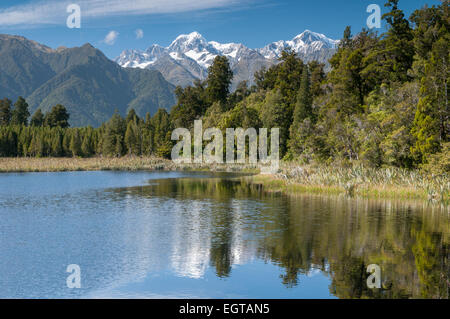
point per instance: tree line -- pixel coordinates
(384, 103)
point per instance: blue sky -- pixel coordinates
(254, 23)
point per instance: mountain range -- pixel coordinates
(92, 87)
(83, 79)
(189, 56)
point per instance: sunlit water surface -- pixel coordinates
(192, 235)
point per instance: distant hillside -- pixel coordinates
(83, 79)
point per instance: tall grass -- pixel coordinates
(364, 181)
(292, 178)
(132, 163)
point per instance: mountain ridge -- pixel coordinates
(83, 79)
(192, 54)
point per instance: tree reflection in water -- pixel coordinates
(336, 235)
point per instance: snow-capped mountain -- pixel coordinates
(189, 56)
(306, 43)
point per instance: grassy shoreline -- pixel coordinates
(292, 179)
(126, 163)
(358, 181)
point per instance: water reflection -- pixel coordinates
(229, 222)
(200, 237)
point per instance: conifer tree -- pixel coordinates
(57, 117)
(347, 38)
(87, 147)
(75, 144)
(288, 77)
(303, 110)
(147, 142)
(275, 114)
(20, 114)
(132, 116)
(162, 129)
(398, 42)
(303, 107)
(219, 80)
(133, 138)
(431, 123)
(114, 135)
(37, 119)
(5, 112)
(56, 147)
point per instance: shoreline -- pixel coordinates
(274, 184)
(125, 163)
(292, 179)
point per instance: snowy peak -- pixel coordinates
(309, 38)
(231, 50)
(190, 55)
(195, 47)
(187, 42)
(306, 43)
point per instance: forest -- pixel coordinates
(383, 104)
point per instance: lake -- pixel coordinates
(199, 235)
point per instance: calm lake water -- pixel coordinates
(186, 235)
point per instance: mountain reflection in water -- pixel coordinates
(192, 235)
(226, 222)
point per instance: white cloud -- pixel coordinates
(54, 11)
(111, 37)
(139, 34)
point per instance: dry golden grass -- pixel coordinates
(126, 163)
(80, 164)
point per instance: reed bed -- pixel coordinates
(359, 181)
(126, 163)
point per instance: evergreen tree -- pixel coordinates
(398, 42)
(24, 141)
(148, 118)
(75, 144)
(192, 104)
(317, 77)
(347, 38)
(119, 147)
(20, 114)
(219, 80)
(66, 144)
(37, 144)
(275, 114)
(147, 142)
(57, 149)
(303, 110)
(303, 107)
(37, 119)
(114, 135)
(132, 116)
(288, 77)
(57, 117)
(87, 147)
(240, 94)
(392, 57)
(133, 138)
(5, 112)
(162, 130)
(431, 123)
